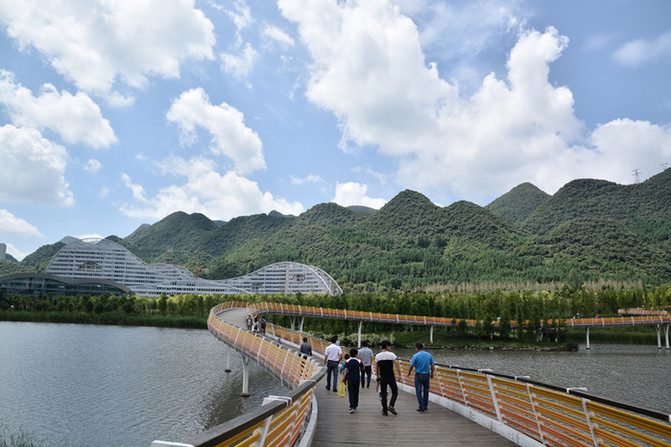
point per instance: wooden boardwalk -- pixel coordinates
(437, 426)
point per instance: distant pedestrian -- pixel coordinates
(332, 356)
(366, 356)
(385, 362)
(263, 325)
(306, 348)
(422, 361)
(255, 326)
(249, 322)
(351, 378)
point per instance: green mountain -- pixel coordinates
(518, 203)
(588, 230)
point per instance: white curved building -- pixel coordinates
(102, 258)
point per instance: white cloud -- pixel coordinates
(369, 70)
(32, 168)
(75, 117)
(639, 52)
(206, 191)
(311, 178)
(240, 14)
(351, 193)
(9, 223)
(240, 65)
(230, 136)
(18, 254)
(92, 166)
(276, 34)
(97, 43)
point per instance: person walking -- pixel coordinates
(332, 356)
(366, 356)
(351, 378)
(249, 322)
(306, 348)
(385, 362)
(422, 361)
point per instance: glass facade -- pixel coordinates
(104, 259)
(36, 284)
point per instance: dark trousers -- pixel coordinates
(365, 376)
(332, 368)
(391, 382)
(353, 391)
(422, 390)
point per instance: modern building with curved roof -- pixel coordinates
(105, 259)
(35, 284)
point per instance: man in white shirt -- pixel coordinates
(366, 356)
(332, 357)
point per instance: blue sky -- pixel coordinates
(115, 113)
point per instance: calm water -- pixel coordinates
(84, 385)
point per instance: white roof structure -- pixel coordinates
(102, 258)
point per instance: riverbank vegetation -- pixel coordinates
(541, 310)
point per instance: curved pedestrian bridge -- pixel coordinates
(468, 407)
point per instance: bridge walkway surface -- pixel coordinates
(437, 426)
(337, 427)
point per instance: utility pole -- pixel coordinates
(637, 179)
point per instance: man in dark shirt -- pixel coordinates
(385, 362)
(305, 347)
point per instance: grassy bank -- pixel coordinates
(111, 318)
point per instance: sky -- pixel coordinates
(115, 113)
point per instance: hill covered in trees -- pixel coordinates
(587, 231)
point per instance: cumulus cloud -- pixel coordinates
(32, 168)
(239, 65)
(276, 34)
(370, 71)
(351, 193)
(76, 118)
(311, 178)
(9, 223)
(92, 166)
(97, 43)
(230, 136)
(641, 51)
(205, 191)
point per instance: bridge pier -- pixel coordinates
(666, 332)
(228, 361)
(431, 334)
(588, 347)
(300, 327)
(245, 376)
(292, 320)
(358, 343)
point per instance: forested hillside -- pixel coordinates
(587, 231)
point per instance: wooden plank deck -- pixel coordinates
(436, 426)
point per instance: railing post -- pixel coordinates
(495, 400)
(533, 406)
(590, 424)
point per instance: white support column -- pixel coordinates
(300, 328)
(666, 335)
(228, 360)
(358, 343)
(431, 334)
(588, 347)
(245, 376)
(659, 336)
(293, 323)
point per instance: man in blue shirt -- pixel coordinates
(422, 361)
